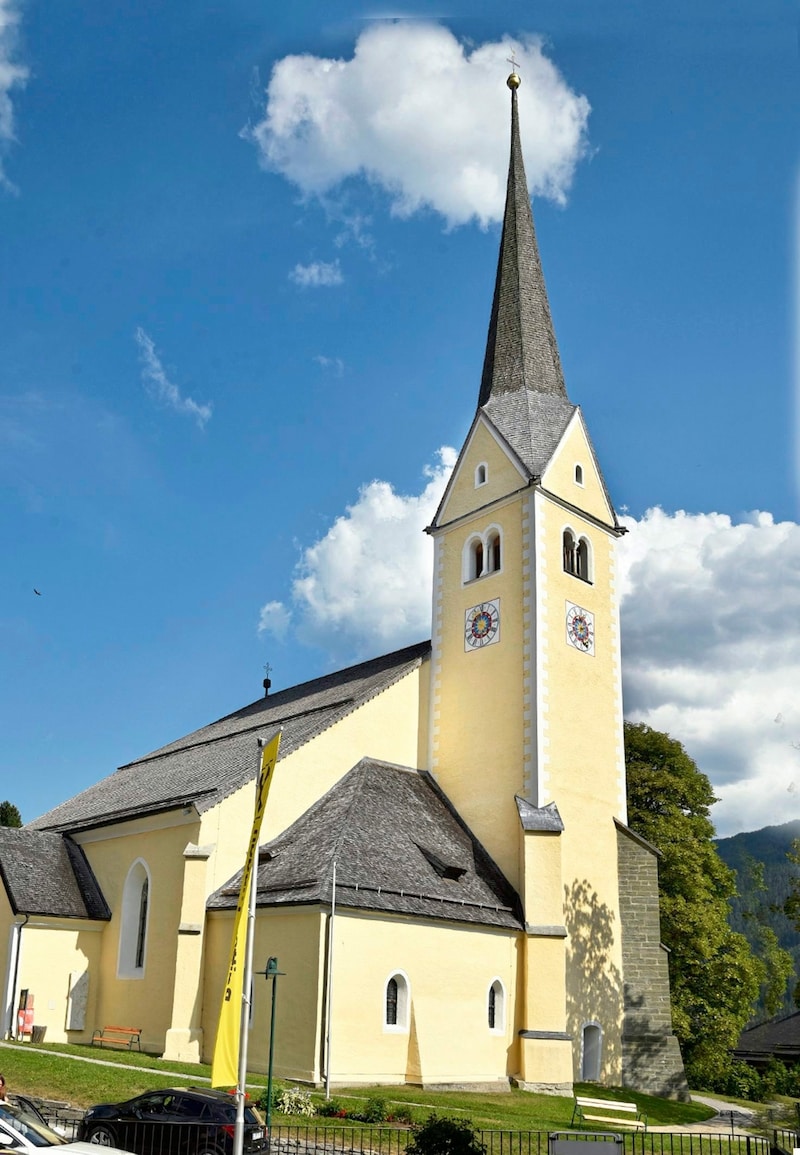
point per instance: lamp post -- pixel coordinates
(271, 972)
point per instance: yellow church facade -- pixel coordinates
(446, 875)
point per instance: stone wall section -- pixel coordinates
(651, 1058)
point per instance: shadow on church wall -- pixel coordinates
(594, 980)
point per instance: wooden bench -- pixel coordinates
(119, 1037)
(615, 1113)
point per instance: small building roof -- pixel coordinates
(399, 847)
(778, 1038)
(48, 874)
(211, 763)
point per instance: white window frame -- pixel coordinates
(481, 474)
(578, 474)
(403, 1003)
(468, 565)
(591, 1025)
(498, 986)
(130, 918)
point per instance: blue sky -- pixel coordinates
(244, 295)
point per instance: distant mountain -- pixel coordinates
(753, 907)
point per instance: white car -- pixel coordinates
(23, 1132)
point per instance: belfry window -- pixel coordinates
(482, 555)
(395, 1006)
(493, 552)
(577, 555)
(476, 559)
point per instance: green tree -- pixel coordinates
(714, 976)
(9, 815)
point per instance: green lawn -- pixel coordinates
(48, 1072)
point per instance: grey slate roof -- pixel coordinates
(209, 764)
(48, 874)
(539, 817)
(532, 424)
(521, 351)
(399, 847)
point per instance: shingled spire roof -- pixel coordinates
(521, 352)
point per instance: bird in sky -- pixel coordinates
(37, 592)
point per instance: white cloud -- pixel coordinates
(275, 619)
(365, 585)
(12, 75)
(160, 387)
(421, 116)
(711, 652)
(334, 364)
(317, 275)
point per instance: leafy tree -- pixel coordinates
(714, 976)
(9, 815)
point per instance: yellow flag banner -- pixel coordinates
(225, 1065)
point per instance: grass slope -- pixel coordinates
(86, 1075)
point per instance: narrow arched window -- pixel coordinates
(395, 1004)
(391, 1003)
(476, 559)
(481, 474)
(496, 1006)
(493, 552)
(582, 559)
(579, 475)
(570, 563)
(140, 937)
(134, 921)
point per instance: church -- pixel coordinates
(446, 876)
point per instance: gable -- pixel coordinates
(504, 474)
(575, 451)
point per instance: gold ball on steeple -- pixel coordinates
(513, 81)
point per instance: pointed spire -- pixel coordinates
(521, 350)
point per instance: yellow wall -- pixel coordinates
(581, 761)
(296, 936)
(144, 1002)
(450, 968)
(386, 727)
(478, 736)
(51, 950)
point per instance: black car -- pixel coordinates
(174, 1122)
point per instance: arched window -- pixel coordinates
(569, 551)
(577, 555)
(395, 1013)
(496, 1007)
(134, 922)
(579, 475)
(582, 559)
(591, 1052)
(476, 559)
(481, 474)
(493, 552)
(482, 555)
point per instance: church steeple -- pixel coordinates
(521, 351)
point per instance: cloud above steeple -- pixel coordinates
(423, 117)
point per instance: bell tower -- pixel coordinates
(526, 708)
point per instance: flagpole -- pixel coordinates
(247, 985)
(329, 992)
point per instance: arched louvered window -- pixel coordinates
(134, 921)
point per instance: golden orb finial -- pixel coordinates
(513, 81)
